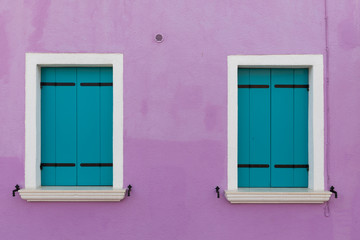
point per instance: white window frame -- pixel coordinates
(315, 193)
(33, 190)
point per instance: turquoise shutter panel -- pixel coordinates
(76, 123)
(289, 128)
(88, 126)
(301, 127)
(254, 157)
(243, 128)
(106, 126)
(48, 127)
(65, 126)
(282, 128)
(260, 128)
(95, 126)
(58, 126)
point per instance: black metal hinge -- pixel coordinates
(56, 165)
(292, 166)
(96, 164)
(292, 86)
(253, 86)
(253, 165)
(94, 84)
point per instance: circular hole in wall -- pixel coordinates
(159, 38)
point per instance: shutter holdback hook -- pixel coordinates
(129, 190)
(217, 191)
(333, 191)
(17, 188)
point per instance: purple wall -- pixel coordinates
(175, 99)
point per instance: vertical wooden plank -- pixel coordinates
(301, 127)
(259, 127)
(106, 126)
(65, 126)
(48, 127)
(88, 125)
(243, 127)
(282, 128)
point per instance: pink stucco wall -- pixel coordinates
(175, 99)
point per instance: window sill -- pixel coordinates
(72, 194)
(277, 195)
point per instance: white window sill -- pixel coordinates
(277, 195)
(73, 194)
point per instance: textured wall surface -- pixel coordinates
(175, 114)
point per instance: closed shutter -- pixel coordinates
(272, 127)
(254, 128)
(76, 128)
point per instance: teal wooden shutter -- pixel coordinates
(106, 126)
(301, 110)
(243, 128)
(94, 126)
(88, 126)
(76, 128)
(48, 145)
(273, 128)
(289, 128)
(282, 128)
(254, 128)
(58, 126)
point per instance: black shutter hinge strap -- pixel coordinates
(333, 191)
(17, 188)
(217, 191)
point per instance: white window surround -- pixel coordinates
(33, 190)
(315, 193)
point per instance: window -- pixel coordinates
(71, 104)
(276, 129)
(76, 126)
(272, 127)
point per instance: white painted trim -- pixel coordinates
(277, 195)
(316, 109)
(74, 194)
(34, 62)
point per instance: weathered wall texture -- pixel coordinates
(175, 96)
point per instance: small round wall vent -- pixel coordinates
(159, 38)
